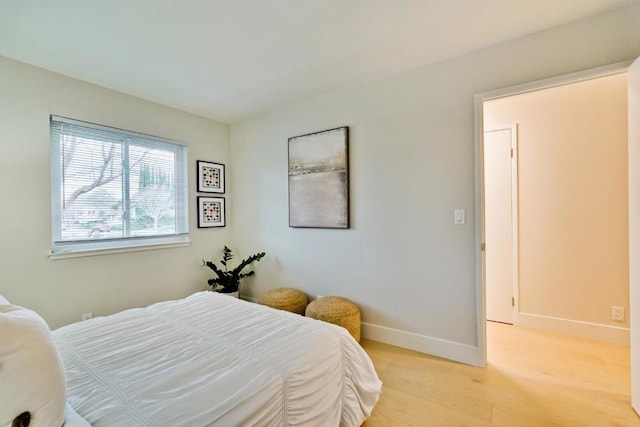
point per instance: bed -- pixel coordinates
(211, 359)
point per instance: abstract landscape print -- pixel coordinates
(319, 179)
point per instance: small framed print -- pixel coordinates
(210, 177)
(211, 212)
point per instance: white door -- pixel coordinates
(634, 229)
(499, 177)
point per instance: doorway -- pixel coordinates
(484, 225)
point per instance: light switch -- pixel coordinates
(458, 216)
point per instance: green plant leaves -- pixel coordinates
(228, 281)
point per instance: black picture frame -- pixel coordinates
(211, 177)
(211, 212)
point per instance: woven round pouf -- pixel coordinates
(287, 299)
(337, 310)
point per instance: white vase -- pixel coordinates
(235, 294)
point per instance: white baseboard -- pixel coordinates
(593, 331)
(462, 353)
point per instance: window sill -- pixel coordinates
(78, 253)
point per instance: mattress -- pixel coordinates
(211, 359)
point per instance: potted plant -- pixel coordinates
(228, 280)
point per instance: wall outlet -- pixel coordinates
(617, 313)
(87, 316)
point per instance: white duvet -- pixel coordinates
(211, 359)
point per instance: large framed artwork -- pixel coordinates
(210, 177)
(319, 179)
(211, 212)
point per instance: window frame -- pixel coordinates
(89, 247)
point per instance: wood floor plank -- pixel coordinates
(434, 386)
(509, 418)
(397, 408)
(531, 379)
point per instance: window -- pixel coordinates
(115, 189)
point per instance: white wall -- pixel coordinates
(412, 163)
(573, 210)
(62, 290)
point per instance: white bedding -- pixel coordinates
(211, 359)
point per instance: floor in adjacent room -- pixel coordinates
(532, 379)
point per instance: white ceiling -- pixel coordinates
(231, 59)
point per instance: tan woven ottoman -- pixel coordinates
(287, 299)
(337, 310)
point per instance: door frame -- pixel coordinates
(515, 258)
(634, 228)
(478, 101)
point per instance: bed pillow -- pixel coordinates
(3, 300)
(32, 378)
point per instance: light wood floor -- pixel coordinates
(532, 379)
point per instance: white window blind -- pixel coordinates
(112, 188)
